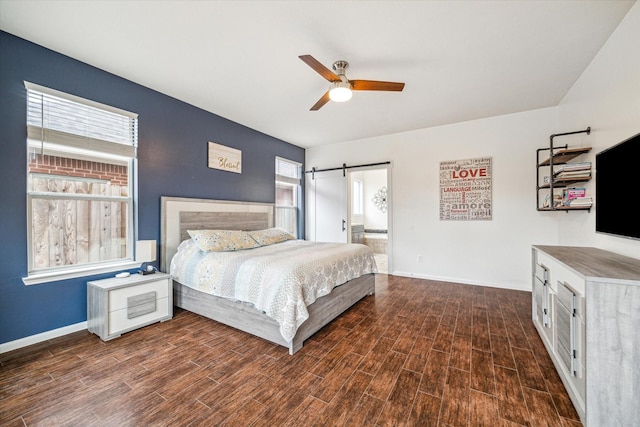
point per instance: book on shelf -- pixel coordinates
(581, 166)
(581, 202)
(582, 174)
(572, 193)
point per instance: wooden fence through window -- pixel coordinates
(67, 231)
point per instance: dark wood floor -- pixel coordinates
(419, 353)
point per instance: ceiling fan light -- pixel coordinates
(340, 92)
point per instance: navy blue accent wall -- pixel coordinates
(172, 159)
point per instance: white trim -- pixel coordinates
(52, 276)
(44, 336)
(458, 280)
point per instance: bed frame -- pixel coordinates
(182, 214)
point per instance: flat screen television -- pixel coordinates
(617, 179)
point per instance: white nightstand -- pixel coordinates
(119, 305)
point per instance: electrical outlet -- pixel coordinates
(419, 258)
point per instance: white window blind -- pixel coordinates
(59, 122)
(288, 181)
(288, 171)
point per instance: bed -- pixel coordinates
(181, 215)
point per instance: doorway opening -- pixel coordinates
(369, 212)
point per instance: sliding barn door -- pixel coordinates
(327, 207)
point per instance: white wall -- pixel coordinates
(498, 252)
(494, 253)
(607, 98)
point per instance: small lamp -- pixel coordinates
(145, 253)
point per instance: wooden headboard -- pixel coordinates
(182, 214)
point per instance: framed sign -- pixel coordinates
(225, 158)
(465, 189)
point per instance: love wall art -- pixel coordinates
(465, 189)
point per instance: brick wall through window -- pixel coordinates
(52, 165)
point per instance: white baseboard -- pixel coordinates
(44, 336)
(461, 281)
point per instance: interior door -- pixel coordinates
(327, 207)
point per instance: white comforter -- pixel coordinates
(281, 279)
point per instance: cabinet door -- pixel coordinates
(564, 337)
(568, 332)
(538, 296)
(541, 295)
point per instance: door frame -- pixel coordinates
(388, 167)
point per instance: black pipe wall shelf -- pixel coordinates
(558, 156)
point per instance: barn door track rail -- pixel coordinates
(344, 168)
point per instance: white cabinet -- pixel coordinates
(556, 297)
(119, 305)
(591, 331)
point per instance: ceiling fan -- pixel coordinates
(341, 87)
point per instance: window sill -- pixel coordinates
(52, 276)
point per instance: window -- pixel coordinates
(288, 177)
(79, 185)
(356, 195)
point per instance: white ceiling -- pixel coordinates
(460, 60)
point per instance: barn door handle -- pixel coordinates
(343, 225)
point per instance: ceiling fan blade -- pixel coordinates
(375, 85)
(321, 102)
(319, 68)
